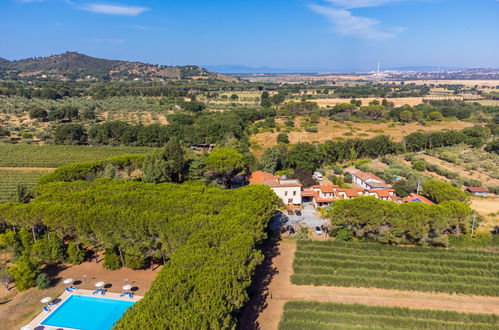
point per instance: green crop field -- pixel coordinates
(316, 315)
(400, 268)
(25, 155)
(9, 179)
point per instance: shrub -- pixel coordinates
(494, 189)
(24, 273)
(76, 255)
(311, 129)
(135, 261)
(282, 138)
(111, 260)
(419, 165)
(337, 169)
(42, 281)
(342, 234)
(435, 115)
(347, 178)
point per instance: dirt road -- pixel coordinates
(277, 289)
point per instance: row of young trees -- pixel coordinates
(410, 223)
(208, 236)
(197, 128)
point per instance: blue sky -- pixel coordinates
(310, 35)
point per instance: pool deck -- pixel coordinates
(36, 322)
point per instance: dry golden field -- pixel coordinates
(329, 130)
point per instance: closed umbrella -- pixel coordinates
(127, 287)
(100, 284)
(68, 281)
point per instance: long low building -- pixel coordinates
(291, 191)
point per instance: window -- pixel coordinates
(286, 193)
(294, 193)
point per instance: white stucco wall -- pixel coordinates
(293, 195)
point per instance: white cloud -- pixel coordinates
(349, 25)
(349, 4)
(114, 9)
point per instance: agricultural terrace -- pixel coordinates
(328, 315)
(51, 156)
(401, 268)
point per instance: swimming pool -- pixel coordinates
(87, 313)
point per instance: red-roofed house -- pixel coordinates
(384, 194)
(349, 193)
(289, 190)
(416, 198)
(478, 191)
(324, 195)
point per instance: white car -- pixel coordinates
(318, 176)
(318, 230)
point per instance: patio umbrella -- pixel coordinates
(68, 280)
(45, 300)
(100, 284)
(126, 287)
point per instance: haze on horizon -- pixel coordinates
(292, 35)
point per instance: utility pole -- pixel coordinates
(473, 224)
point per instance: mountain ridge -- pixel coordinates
(77, 66)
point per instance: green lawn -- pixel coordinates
(400, 268)
(25, 155)
(308, 315)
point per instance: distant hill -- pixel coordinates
(77, 66)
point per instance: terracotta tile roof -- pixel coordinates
(326, 199)
(260, 176)
(383, 192)
(307, 193)
(477, 189)
(328, 189)
(350, 192)
(417, 198)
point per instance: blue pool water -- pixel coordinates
(87, 313)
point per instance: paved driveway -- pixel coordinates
(308, 218)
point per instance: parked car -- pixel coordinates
(317, 176)
(298, 212)
(291, 230)
(318, 230)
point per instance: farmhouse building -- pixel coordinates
(289, 190)
(478, 191)
(368, 181)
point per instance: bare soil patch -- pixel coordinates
(280, 289)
